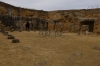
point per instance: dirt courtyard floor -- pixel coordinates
(69, 49)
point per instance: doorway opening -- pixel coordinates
(90, 25)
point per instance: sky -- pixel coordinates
(51, 5)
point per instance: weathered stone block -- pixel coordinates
(10, 37)
(15, 41)
(96, 47)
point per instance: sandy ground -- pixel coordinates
(69, 49)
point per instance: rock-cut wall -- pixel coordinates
(70, 18)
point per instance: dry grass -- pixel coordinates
(38, 50)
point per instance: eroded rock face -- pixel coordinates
(2, 10)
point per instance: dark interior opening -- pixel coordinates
(90, 23)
